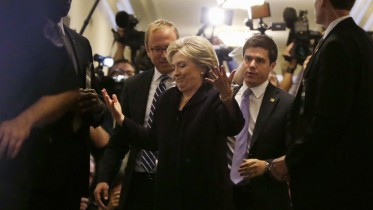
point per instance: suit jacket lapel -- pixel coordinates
(270, 100)
(78, 55)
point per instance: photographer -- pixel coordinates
(120, 71)
(120, 47)
(302, 39)
(288, 68)
(300, 44)
(113, 83)
(127, 35)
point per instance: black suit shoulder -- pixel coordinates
(76, 35)
(283, 94)
(134, 95)
(138, 79)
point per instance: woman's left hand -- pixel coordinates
(218, 78)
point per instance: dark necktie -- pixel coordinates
(148, 158)
(242, 140)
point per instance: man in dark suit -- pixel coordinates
(137, 97)
(266, 137)
(34, 94)
(63, 174)
(329, 164)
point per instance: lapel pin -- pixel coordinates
(272, 100)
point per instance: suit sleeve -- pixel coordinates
(229, 124)
(94, 119)
(113, 156)
(139, 136)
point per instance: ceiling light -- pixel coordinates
(234, 38)
(216, 16)
(238, 4)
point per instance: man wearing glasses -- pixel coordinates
(136, 99)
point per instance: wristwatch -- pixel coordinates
(268, 168)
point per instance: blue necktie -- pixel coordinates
(148, 158)
(242, 140)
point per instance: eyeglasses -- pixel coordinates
(121, 72)
(158, 50)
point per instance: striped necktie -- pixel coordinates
(149, 158)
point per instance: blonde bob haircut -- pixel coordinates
(196, 48)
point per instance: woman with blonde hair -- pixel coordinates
(190, 129)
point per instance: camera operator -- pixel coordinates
(288, 69)
(122, 67)
(120, 47)
(303, 39)
(127, 35)
(300, 44)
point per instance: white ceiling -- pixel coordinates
(186, 15)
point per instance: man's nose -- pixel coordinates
(252, 63)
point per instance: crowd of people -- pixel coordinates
(181, 134)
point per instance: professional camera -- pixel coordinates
(305, 40)
(132, 38)
(102, 61)
(112, 83)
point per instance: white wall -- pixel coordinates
(98, 30)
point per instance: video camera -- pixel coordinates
(305, 40)
(132, 38)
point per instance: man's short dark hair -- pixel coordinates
(343, 4)
(265, 42)
(123, 60)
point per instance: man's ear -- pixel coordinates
(273, 65)
(147, 50)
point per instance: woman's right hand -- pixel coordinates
(114, 106)
(218, 78)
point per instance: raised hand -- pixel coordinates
(114, 106)
(218, 78)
